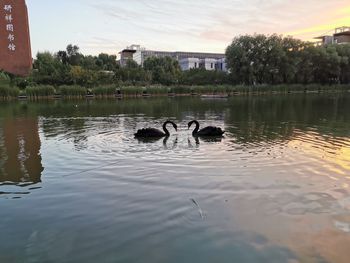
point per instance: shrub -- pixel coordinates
(40, 91)
(132, 90)
(104, 91)
(182, 89)
(72, 91)
(7, 92)
(157, 90)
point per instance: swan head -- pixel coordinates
(190, 124)
(172, 123)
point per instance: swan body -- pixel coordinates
(155, 133)
(207, 131)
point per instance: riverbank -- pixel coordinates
(78, 92)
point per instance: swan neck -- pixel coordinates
(165, 128)
(197, 127)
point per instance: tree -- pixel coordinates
(48, 69)
(107, 62)
(83, 77)
(201, 76)
(344, 53)
(261, 59)
(165, 70)
(73, 55)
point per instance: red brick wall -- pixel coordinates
(15, 50)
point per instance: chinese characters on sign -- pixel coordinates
(15, 50)
(10, 29)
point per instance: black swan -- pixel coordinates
(155, 133)
(207, 131)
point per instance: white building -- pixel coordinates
(209, 63)
(206, 63)
(222, 65)
(187, 60)
(189, 63)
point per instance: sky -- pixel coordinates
(108, 26)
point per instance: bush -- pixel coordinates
(182, 89)
(104, 91)
(132, 90)
(7, 92)
(4, 78)
(40, 91)
(157, 90)
(72, 91)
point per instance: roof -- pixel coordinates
(321, 37)
(345, 33)
(128, 50)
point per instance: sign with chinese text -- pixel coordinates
(15, 51)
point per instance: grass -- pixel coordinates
(72, 91)
(157, 90)
(7, 91)
(181, 90)
(132, 90)
(40, 91)
(104, 91)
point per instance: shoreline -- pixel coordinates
(170, 95)
(47, 92)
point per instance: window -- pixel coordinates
(195, 64)
(211, 65)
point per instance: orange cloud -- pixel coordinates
(338, 18)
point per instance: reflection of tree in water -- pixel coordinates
(249, 119)
(71, 129)
(20, 154)
(275, 118)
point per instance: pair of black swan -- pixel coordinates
(209, 131)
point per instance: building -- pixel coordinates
(189, 63)
(15, 49)
(206, 63)
(341, 35)
(127, 54)
(187, 60)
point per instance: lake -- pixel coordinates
(76, 186)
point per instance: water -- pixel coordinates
(75, 186)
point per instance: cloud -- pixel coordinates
(190, 24)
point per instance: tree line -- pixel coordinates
(261, 59)
(251, 60)
(70, 67)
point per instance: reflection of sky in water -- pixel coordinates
(272, 190)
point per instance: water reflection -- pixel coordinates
(20, 151)
(173, 144)
(275, 188)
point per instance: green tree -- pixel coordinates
(164, 70)
(48, 69)
(83, 77)
(132, 73)
(73, 55)
(261, 59)
(201, 76)
(344, 53)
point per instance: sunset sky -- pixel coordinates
(188, 25)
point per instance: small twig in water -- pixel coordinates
(199, 208)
